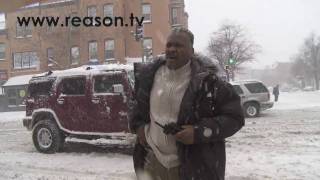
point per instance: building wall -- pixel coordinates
(61, 39)
(4, 63)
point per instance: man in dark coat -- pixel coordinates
(183, 88)
(276, 92)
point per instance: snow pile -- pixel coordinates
(12, 116)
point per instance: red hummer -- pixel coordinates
(85, 102)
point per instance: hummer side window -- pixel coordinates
(74, 86)
(40, 89)
(103, 84)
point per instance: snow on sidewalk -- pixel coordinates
(12, 116)
(298, 100)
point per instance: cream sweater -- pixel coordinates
(168, 89)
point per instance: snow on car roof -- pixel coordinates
(88, 69)
(83, 70)
(18, 80)
(244, 81)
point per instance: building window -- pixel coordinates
(25, 60)
(174, 16)
(23, 31)
(93, 50)
(75, 55)
(2, 51)
(50, 56)
(92, 12)
(109, 49)
(108, 10)
(146, 12)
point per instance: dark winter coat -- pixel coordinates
(276, 91)
(208, 103)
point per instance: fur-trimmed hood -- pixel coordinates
(202, 63)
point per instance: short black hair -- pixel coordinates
(183, 30)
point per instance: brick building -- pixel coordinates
(4, 56)
(30, 50)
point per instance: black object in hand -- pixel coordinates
(170, 128)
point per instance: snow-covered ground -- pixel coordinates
(284, 143)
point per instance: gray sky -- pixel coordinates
(279, 26)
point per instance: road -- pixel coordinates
(281, 144)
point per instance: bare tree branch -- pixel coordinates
(231, 41)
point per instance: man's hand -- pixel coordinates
(141, 136)
(186, 136)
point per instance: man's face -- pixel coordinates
(178, 50)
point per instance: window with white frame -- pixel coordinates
(2, 51)
(92, 12)
(108, 10)
(93, 50)
(146, 12)
(24, 60)
(174, 15)
(109, 49)
(75, 55)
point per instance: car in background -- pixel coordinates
(255, 96)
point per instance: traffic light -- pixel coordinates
(139, 32)
(231, 61)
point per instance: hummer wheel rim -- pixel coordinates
(44, 138)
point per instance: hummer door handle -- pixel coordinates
(60, 100)
(95, 100)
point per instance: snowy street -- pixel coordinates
(284, 143)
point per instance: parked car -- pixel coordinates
(82, 102)
(255, 97)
